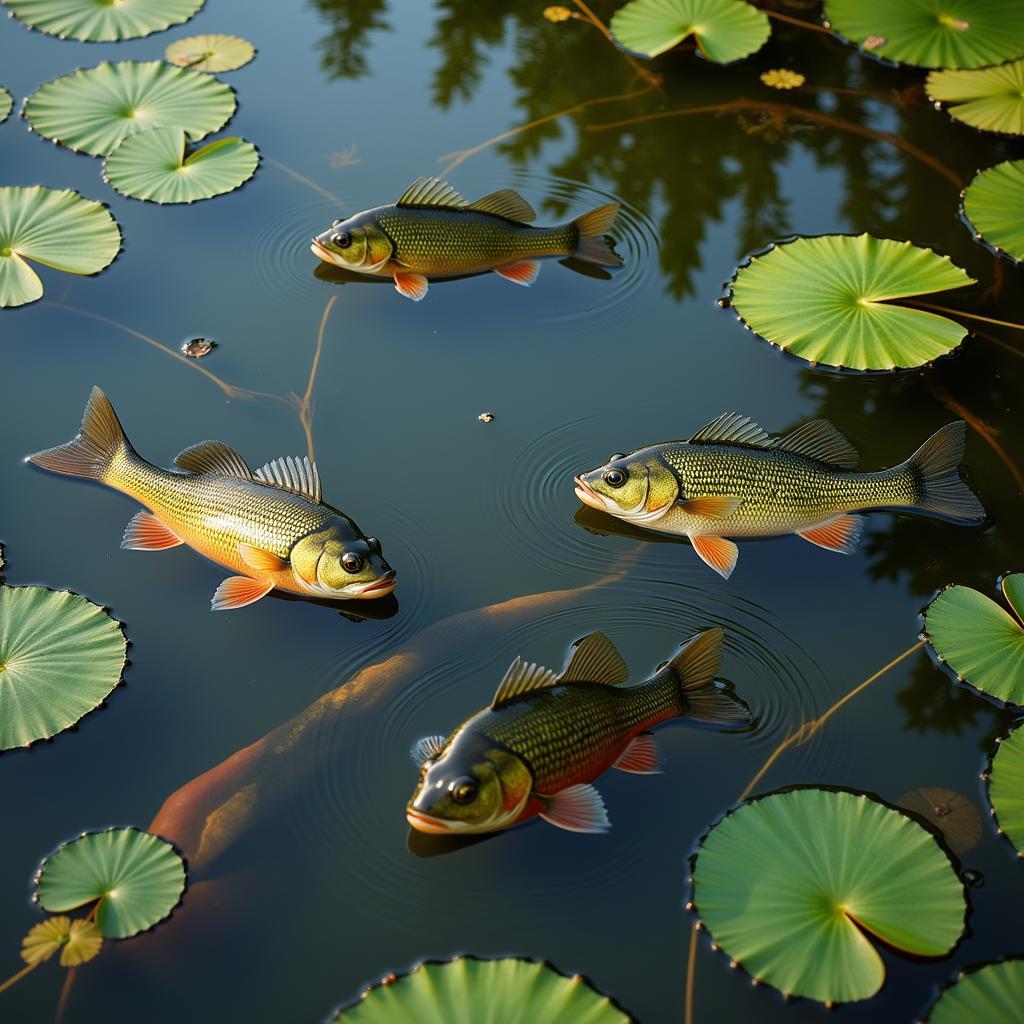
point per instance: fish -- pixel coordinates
(432, 231)
(731, 479)
(545, 737)
(269, 526)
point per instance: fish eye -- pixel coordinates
(351, 562)
(342, 239)
(463, 790)
(615, 478)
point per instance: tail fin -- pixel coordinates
(700, 698)
(936, 465)
(94, 448)
(591, 227)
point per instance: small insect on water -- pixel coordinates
(196, 347)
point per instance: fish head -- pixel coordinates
(638, 487)
(358, 244)
(340, 563)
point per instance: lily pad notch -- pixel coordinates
(991, 99)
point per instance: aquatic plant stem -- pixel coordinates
(65, 993)
(21, 974)
(304, 405)
(302, 179)
(960, 312)
(778, 15)
(650, 77)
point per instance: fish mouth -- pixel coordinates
(588, 495)
(317, 248)
(424, 823)
(379, 588)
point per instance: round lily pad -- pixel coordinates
(828, 300)
(6, 102)
(157, 166)
(1006, 788)
(211, 53)
(792, 886)
(137, 878)
(91, 111)
(990, 98)
(993, 202)
(986, 994)
(932, 33)
(60, 657)
(77, 941)
(979, 641)
(470, 991)
(102, 21)
(724, 30)
(948, 812)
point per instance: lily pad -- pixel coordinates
(157, 166)
(6, 102)
(470, 991)
(932, 33)
(102, 21)
(828, 300)
(137, 878)
(77, 941)
(1006, 788)
(990, 993)
(991, 99)
(211, 53)
(793, 885)
(992, 204)
(948, 812)
(91, 111)
(724, 30)
(60, 657)
(979, 641)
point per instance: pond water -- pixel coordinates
(349, 102)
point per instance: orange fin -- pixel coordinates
(840, 534)
(146, 533)
(412, 286)
(260, 559)
(640, 757)
(524, 272)
(712, 508)
(577, 809)
(238, 591)
(719, 553)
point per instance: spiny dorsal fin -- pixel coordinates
(506, 203)
(431, 192)
(522, 678)
(820, 440)
(427, 748)
(732, 428)
(298, 475)
(595, 660)
(213, 457)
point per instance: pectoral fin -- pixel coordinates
(719, 553)
(237, 592)
(412, 286)
(577, 809)
(261, 560)
(640, 757)
(146, 533)
(712, 507)
(524, 272)
(840, 534)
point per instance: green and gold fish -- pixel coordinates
(270, 526)
(732, 480)
(545, 738)
(432, 231)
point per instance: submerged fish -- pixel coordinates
(270, 526)
(432, 231)
(546, 737)
(732, 480)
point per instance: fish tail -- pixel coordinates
(94, 450)
(692, 671)
(936, 470)
(591, 227)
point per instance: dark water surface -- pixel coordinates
(325, 895)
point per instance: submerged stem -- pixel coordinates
(21, 974)
(960, 312)
(304, 405)
(303, 180)
(790, 20)
(650, 77)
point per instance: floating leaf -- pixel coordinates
(953, 815)
(470, 991)
(725, 30)
(978, 640)
(91, 111)
(791, 885)
(138, 879)
(211, 53)
(993, 202)
(989, 994)
(153, 165)
(77, 941)
(1006, 788)
(827, 300)
(6, 102)
(102, 21)
(933, 33)
(991, 99)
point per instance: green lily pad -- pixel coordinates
(57, 229)
(91, 111)
(725, 30)
(60, 657)
(1006, 788)
(991, 99)
(993, 202)
(102, 21)
(979, 641)
(211, 53)
(137, 878)
(6, 102)
(828, 300)
(153, 165)
(470, 991)
(986, 994)
(792, 886)
(932, 33)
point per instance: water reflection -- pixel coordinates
(352, 22)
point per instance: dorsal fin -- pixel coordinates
(507, 203)
(732, 428)
(595, 660)
(820, 440)
(298, 475)
(213, 457)
(431, 192)
(520, 679)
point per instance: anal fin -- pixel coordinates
(640, 757)
(719, 553)
(524, 272)
(412, 286)
(239, 591)
(146, 533)
(577, 809)
(841, 534)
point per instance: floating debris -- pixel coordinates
(951, 813)
(197, 347)
(557, 13)
(782, 78)
(485, 417)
